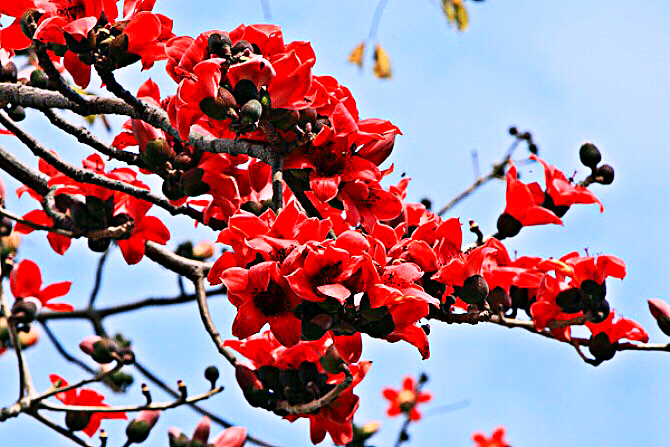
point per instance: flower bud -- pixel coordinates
(212, 375)
(601, 348)
(508, 226)
(157, 152)
(26, 309)
(244, 91)
(589, 155)
(474, 290)
(139, 428)
(192, 184)
(201, 432)
(284, 119)
(102, 350)
(77, 420)
(332, 361)
(252, 110)
(177, 438)
(16, 113)
(219, 45)
(604, 174)
(203, 250)
(27, 339)
(660, 310)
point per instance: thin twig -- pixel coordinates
(25, 387)
(59, 347)
(201, 298)
(67, 433)
(277, 186)
(131, 408)
(98, 277)
(97, 378)
(84, 136)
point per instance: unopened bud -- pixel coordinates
(26, 309)
(77, 420)
(203, 250)
(192, 184)
(201, 432)
(332, 361)
(660, 310)
(589, 155)
(601, 348)
(157, 152)
(102, 350)
(212, 375)
(219, 45)
(139, 428)
(474, 290)
(508, 226)
(604, 174)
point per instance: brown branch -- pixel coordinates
(35, 180)
(284, 408)
(158, 382)
(189, 268)
(25, 387)
(201, 298)
(90, 177)
(142, 109)
(84, 136)
(277, 185)
(67, 433)
(54, 75)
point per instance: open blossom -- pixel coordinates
(25, 282)
(496, 439)
(406, 399)
(88, 422)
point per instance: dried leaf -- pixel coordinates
(356, 55)
(382, 68)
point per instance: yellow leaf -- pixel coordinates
(461, 17)
(356, 55)
(382, 68)
(449, 11)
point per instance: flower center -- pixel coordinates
(273, 301)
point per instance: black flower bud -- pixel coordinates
(219, 45)
(604, 174)
(474, 290)
(589, 155)
(508, 226)
(601, 348)
(77, 420)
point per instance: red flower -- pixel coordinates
(262, 296)
(265, 351)
(562, 191)
(406, 399)
(85, 397)
(25, 281)
(621, 328)
(58, 242)
(496, 440)
(524, 205)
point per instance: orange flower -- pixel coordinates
(496, 439)
(405, 400)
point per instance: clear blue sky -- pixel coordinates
(568, 71)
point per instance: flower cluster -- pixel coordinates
(301, 374)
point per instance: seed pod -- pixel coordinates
(242, 46)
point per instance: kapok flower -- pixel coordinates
(496, 440)
(406, 400)
(25, 282)
(524, 206)
(83, 420)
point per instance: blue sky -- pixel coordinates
(570, 72)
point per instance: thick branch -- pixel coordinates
(90, 177)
